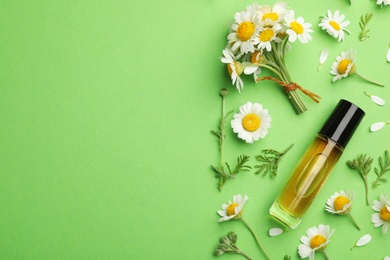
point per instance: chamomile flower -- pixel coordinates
(344, 66)
(382, 218)
(385, 2)
(340, 203)
(266, 36)
(243, 32)
(252, 123)
(233, 209)
(297, 28)
(316, 240)
(271, 15)
(234, 67)
(335, 25)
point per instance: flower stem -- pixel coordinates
(223, 92)
(366, 186)
(296, 101)
(373, 82)
(326, 254)
(353, 220)
(222, 131)
(254, 235)
(243, 254)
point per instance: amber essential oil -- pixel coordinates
(316, 164)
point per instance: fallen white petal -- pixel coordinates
(364, 240)
(324, 56)
(377, 126)
(275, 232)
(388, 55)
(377, 100)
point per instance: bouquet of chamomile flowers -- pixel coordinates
(259, 39)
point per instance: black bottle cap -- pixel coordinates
(343, 122)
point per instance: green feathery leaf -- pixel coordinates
(363, 166)
(364, 19)
(227, 244)
(384, 164)
(270, 160)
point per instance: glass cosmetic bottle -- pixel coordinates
(316, 164)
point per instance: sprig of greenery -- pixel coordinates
(220, 134)
(240, 167)
(364, 19)
(384, 164)
(270, 161)
(363, 166)
(227, 244)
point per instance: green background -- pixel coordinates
(106, 109)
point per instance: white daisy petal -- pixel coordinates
(388, 55)
(377, 126)
(364, 240)
(377, 100)
(275, 232)
(385, 227)
(323, 56)
(304, 250)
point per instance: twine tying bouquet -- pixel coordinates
(259, 38)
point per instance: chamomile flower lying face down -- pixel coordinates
(252, 123)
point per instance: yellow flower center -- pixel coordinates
(297, 27)
(385, 214)
(273, 16)
(343, 66)
(316, 241)
(335, 25)
(251, 122)
(266, 35)
(245, 30)
(230, 209)
(340, 202)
